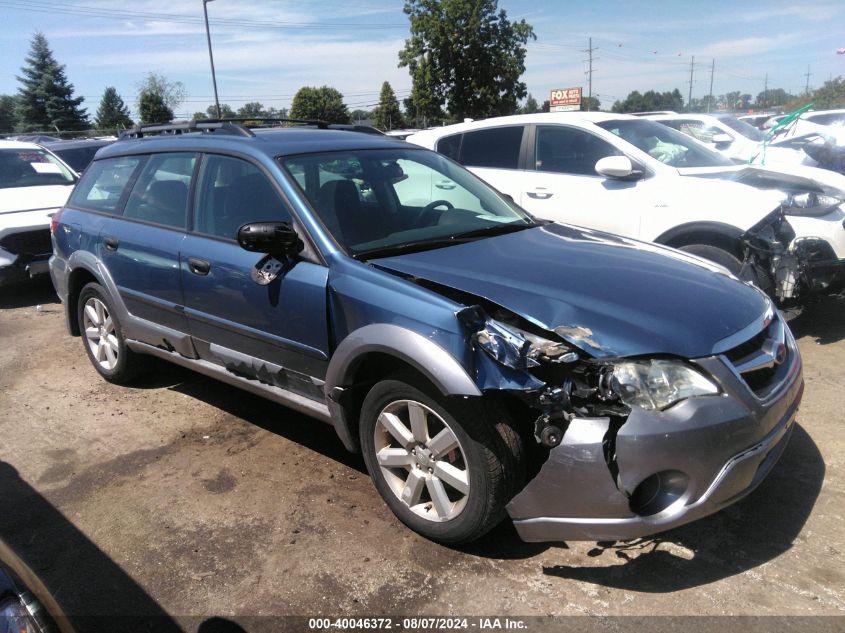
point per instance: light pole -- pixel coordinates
(210, 56)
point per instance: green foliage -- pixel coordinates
(324, 104)
(531, 106)
(590, 104)
(153, 109)
(157, 97)
(8, 114)
(773, 98)
(45, 98)
(112, 113)
(253, 109)
(464, 56)
(362, 115)
(387, 115)
(830, 95)
(651, 100)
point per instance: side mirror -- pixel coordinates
(273, 238)
(618, 167)
(721, 138)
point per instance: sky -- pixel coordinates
(265, 50)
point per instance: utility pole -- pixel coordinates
(210, 56)
(807, 87)
(766, 91)
(689, 99)
(589, 51)
(710, 96)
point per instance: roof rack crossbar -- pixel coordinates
(210, 126)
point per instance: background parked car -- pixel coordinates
(77, 153)
(34, 183)
(638, 178)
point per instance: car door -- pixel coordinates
(140, 247)
(563, 184)
(275, 332)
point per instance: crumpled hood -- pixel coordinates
(606, 294)
(30, 198)
(792, 178)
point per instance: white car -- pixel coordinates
(637, 178)
(34, 184)
(738, 140)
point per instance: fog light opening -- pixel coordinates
(658, 491)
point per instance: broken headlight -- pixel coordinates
(658, 384)
(811, 203)
(518, 349)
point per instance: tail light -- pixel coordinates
(54, 221)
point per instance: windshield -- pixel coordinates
(32, 168)
(387, 201)
(748, 131)
(666, 144)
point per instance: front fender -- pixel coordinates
(410, 347)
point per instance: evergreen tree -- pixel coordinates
(388, 116)
(157, 97)
(531, 106)
(8, 114)
(153, 109)
(45, 98)
(324, 104)
(112, 113)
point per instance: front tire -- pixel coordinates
(102, 337)
(714, 254)
(444, 467)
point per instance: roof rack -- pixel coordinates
(234, 126)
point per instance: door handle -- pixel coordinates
(198, 266)
(110, 243)
(444, 184)
(540, 195)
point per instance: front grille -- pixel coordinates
(763, 360)
(28, 244)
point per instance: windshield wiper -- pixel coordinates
(447, 240)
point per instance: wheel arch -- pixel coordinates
(716, 234)
(377, 351)
(78, 278)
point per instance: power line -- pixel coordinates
(589, 51)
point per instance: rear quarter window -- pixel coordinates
(103, 185)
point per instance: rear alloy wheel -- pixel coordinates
(103, 338)
(445, 467)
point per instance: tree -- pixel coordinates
(323, 104)
(112, 112)
(253, 109)
(359, 115)
(530, 106)
(157, 97)
(590, 104)
(546, 107)
(465, 57)
(45, 98)
(8, 114)
(773, 98)
(649, 101)
(831, 94)
(387, 114)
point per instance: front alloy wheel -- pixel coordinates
(422, 460)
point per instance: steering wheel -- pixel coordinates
(431, 206)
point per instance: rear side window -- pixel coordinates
(34, 167)
(160, 194)
(496, 147)
(103, 185)
(450, 146)
(233, 192)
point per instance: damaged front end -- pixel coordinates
(788, 269)
(629, 446)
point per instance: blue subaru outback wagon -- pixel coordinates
(486, 364)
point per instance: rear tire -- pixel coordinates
(714, 254)
(444, 466)
(103, 338)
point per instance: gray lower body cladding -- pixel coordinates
(672, 467)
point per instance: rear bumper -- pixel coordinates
(672, 467)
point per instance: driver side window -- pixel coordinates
(565, 150)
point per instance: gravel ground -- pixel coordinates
(183, 498)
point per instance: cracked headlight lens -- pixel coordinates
(658, 384)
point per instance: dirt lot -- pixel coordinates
(183, 497)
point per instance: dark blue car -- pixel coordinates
(588, 385)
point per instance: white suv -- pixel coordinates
(33, 185)
(637, 178)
